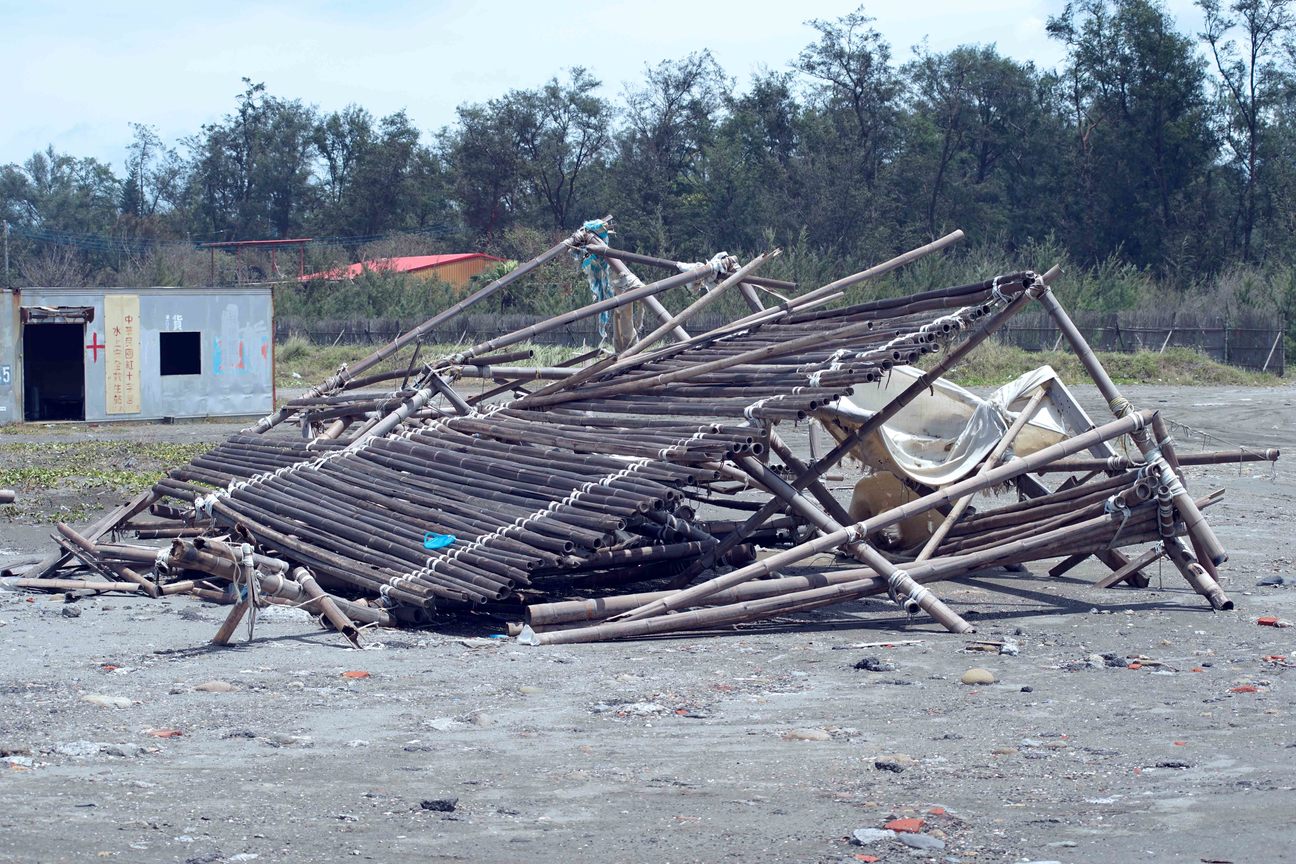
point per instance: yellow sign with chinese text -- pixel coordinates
(122, 371)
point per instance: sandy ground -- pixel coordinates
(761, 743)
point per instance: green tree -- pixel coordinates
(977, 122)
(1252, 87)
(850, 132)
(251, 173)
(1144, 145)
(662, 169)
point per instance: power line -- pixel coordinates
(109, 243)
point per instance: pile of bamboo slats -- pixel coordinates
(392, 493)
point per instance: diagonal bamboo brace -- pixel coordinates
(914, 596)
(1145, 441)
(860, 530)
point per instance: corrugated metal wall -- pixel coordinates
(231, 330)
(458, 273)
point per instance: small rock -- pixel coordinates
(439, 805)
(977, 675)
(905, 826)
(888, 765)
(1115, 661)
(865, 836)
(1028, 689)
(875, 664)
(278, 739)
(921, 841)
(1009, 648)
(71, 611)
(1173, 763)
(106, 701)
(444, 724)
(80, 749)
(806, 735)
(215, 687)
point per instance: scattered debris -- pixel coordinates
(868, 836)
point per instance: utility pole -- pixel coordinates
(6, 253)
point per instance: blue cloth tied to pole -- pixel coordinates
(597, 271)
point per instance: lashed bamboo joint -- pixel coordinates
(659, 465)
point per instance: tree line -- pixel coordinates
(1169, 152)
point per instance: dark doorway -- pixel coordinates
(54, 372)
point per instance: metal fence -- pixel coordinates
(1250, 341)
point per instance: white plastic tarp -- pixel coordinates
(942, 435)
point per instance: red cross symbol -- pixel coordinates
(95, 346)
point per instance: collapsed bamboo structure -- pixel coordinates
(391, 496)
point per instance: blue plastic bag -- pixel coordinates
(437, 541)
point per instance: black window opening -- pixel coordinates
(180, 353)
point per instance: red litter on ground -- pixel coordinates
(1245, 688)
(905, 826)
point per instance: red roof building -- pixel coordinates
(455, 270)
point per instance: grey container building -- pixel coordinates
(135, 353)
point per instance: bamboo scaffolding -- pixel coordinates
(396, 495)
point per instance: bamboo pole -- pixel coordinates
(324, 606)
(121, 570)
(846, 585)
(602, 250)
(915, 595)
(654, 305)
(1198, 528)
(342, 376)
(1124, 463)
(920, 505)
(75, 585)
(736, 278)
(853, 439)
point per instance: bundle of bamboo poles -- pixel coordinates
(387, 494)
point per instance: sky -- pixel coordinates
(81, 72)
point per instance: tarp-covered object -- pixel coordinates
(942, 435)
